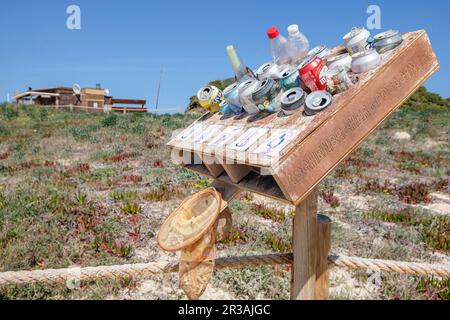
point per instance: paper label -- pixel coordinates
(277, 141)
(226, 136)
(245, 141)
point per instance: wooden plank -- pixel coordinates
(128, 101)
(305, 249)
(374, 101)
(254, 182)
(214, 168)
(323, 250)
(236, 172)
(90, 91)
(123, 109)
(228, 191)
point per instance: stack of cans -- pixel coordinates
(309, 85)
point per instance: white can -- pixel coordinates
(246, 90)
(344, 60)
(357, 40)
(365, 61)
(268, 70)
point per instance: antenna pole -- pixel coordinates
(159, 88)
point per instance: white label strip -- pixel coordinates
(207, 134)
(245, 141)
(227, 135)
(190, 132)
(279, 140)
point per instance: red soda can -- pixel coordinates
(312, 71)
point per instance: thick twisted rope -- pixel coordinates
(411, 268)
(51, 276)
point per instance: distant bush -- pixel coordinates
(9, 112)
(423, 99)
(3, 130)
(83, 133)
(110, 120)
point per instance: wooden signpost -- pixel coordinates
(286, 157)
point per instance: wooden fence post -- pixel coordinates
(323, 250)
(305, 249)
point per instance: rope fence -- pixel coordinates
(61, 276)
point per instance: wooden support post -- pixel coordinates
(323, 250)
(305, 249)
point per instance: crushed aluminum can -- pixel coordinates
(246, 90)
(365, 61)
(387, 41)
(292, 100)
(225, 109)
(289, 78)
(265, 96)
(210, 98)
(317, 102)
(320, 51)
(344, 60)
(358, 40)
(338, 80)
(274, 105)
(231, 94)
(312, 73)
(268, 70)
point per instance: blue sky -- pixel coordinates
(122, 44)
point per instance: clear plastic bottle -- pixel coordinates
(241, 71)
(279, 47)
(298, 44)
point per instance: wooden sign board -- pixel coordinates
(285, 157)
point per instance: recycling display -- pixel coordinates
(280, 129)
(295, 72)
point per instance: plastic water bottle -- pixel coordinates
(279, 47)
(298, 44)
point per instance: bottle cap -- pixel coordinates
(273, 32)
(293, 29)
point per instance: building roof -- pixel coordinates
(35, 93)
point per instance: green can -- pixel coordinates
(289, 78)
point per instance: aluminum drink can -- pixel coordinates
(246, 90)
(225, 108)
(358, 40)
(231, 94)
(387, 41)
(265, 96)
(320, 51)
(210, 98)
(268, 70)
(338, 80)
(290, 78)
(312, 73)
(365, 61)
(344, 60)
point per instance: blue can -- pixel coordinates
(231, 94)
(225, 109)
